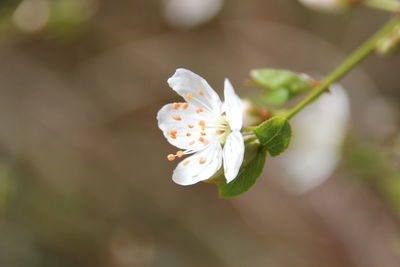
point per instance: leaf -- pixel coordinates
(282, 85)
(276, 97)
(274, 134)
(247, 176)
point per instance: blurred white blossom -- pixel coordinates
(318, 132)
(333, 6)
(190, 13)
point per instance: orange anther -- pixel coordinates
(173, 132)
(176, 105)
(198, 110)
(191, 143)
(185, 105)
(190, 126)
(189, 96)
(172, 136)
(188, 134)
(204, 141)
(200, 92)
(170, 157)
(202, 160)
(203, 133)
(177, 117)
(202, 123)
(186, 162)
(179, 153)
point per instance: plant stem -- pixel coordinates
(356, 57)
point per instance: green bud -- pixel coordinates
(282, 85)
(390, 44)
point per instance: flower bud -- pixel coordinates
(390, 44)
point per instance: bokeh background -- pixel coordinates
(84, 179)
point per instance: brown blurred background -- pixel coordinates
(84, 179)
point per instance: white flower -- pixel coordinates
(315, 149)
(333, 6)
(205, 126)
(186, 14)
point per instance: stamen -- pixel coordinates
(204, 141)
(191, 143)
(202, 160)
(170, 157)
(202, 123)
(176, 105)
(189, 96)
(186, 162)
(190, 126)
(198, 110)
(188, 134)
(177, 117)
(173, 132)
(200, 92)
(179, 153)
(185, 105)
(203, 133)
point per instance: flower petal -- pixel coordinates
(233, 107)
(195, 90)
(201, 166)
(182, 126)
(233, 154)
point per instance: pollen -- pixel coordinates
(198, 110)
(191, 143)
(177, 117)
(204, 141)
(186, 162)
(202, 123)
(190, 126)
(203, 133)
(200, 92)
(189, 96)
(176, 105)
(202, 160)
(185, 105)
(179, 153)
(170, 157)
(172, 134)
(188, 134)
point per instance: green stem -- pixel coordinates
(356, 57)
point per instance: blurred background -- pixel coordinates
(84, 179)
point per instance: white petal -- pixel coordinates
(185, 83)
(233, 107)
(189, 116)
(233, 154)
(194, 171)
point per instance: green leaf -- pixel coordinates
(281, 85)
(276, 97)
(274, 134)
(250, 171)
